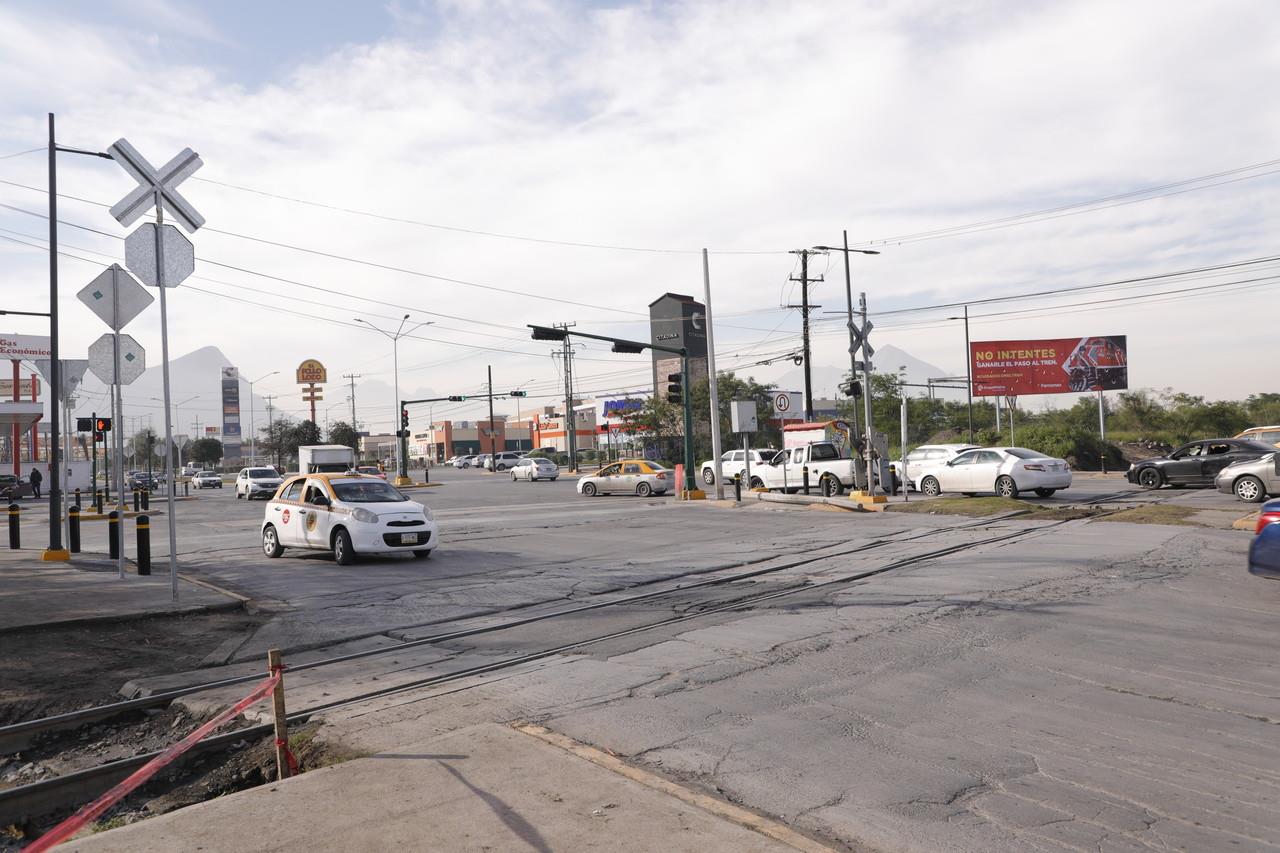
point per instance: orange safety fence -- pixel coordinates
(93, 810)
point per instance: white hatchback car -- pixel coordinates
(348, 514)
(533, 468)
(257, 483)
(1004, 470)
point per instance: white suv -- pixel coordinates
(503, 461)
(257, 483)
(734, 462)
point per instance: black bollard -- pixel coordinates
(146, 499)
(73, 529)
(137, 501)
(97, 501)
(15, 531)
(113, 533)
(185, 492)
(77, 498)
(805, 471)
(144, 545)
(737, 487)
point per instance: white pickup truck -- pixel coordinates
(830, 470)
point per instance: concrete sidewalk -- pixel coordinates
(488, 787)
(38, 594)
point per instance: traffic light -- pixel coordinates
(456, 399)
(852, 388)
(628, 347)
(404, 419)
(103, 425)
(514, 394)
(545, 333)
(98, 436)
(84, 424)
(402, 433)
(675, 388)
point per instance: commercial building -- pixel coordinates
(678, 321)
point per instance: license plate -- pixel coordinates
(408, 539)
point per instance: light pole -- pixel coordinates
(177, 420)
(968, 369)
(853, 350)
(253, 435)
(402, 464)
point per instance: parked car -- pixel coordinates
(1196, 463)
(1252, 480)
(463, 461)
(1264, 553)
(481, 460)
(734, 462)
(348, 514)
(533, 468)
(13, 487)
(370, 470)
(1263, 434)
(257, 483)
(206, 480)
(1005, 470)
(627, 476)
(925, 459)
(503, 461)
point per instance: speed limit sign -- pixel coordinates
(786, 404)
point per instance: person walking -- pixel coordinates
(36, 479)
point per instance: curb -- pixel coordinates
(125, 617)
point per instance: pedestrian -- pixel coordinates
(36, 478)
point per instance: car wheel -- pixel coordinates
(422, 553)
(644, 490)
(589, 489)
(708, 476)
(1006, 487)
(513, 476)
(1149, 478)
(930, 487)
(1249, 489)
(343, 553)
(829, 486)
(271, 542)
(1045, 493)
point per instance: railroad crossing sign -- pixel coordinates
(156, 186)
(115, 297)
(140, 254)
(786, 404)
(858, 338)
(133, 359)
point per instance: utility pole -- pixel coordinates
(493, 438)
(867, 352)
(353, 377)
(570, 422)
(805, 309)
(270, 421)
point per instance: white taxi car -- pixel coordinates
(348, 514)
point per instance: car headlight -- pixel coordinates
(363, 515)
(431, 516)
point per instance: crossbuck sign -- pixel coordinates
(156, 186)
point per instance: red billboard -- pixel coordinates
(1053, 366)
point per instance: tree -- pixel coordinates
(276, 436)
(206, 451)
(728, 388)
(302, 434)
(341, 432)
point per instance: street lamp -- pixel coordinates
(866, 361)
(968, 369)
(402, 464)
(253, 434)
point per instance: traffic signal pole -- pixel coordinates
(688, 422)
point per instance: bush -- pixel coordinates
(1082, 448)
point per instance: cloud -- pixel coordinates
(757, 126)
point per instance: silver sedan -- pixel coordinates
(1252, 480)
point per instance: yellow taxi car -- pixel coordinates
(628, 476)
(348, 514)
(1264, 434)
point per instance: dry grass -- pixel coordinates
(1155, 514)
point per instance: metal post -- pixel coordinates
(275, 666)
(746, 457)
(570, 422)
(804, 318)
(711, 373)
(1012, 437)
(55, 366)
(1102, 429)
(402, 445)
(168, 400)
(866, 394)
(253, 447)
(906, 481)
(688, 419)
(968, 372)
(493, 438)
(93, 462)
(117, 423)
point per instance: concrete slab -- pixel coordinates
(484, 788)
(39, 594)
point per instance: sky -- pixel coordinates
(482, 166)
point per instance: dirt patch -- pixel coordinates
(1155, 514)
(991, 505)
(51, 670)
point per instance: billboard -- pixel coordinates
(230, 415)
(311, 372)
(1052, 366)
(24, 346)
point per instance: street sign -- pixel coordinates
(24, 346)
(864, 367)
(742, 416)
(114, 283)
(133, 359)
(858, 338)
(72, 374)
(156, 185)
(786, 404)
(140, 255)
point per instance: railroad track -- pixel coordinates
(20, 803)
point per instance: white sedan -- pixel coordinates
(348, 514)
(926, 459)
(533, 468)
(1004, 470)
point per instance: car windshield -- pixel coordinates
(1023, 453)
(366, 491)
(260, 473)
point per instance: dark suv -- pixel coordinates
(1196, 463)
